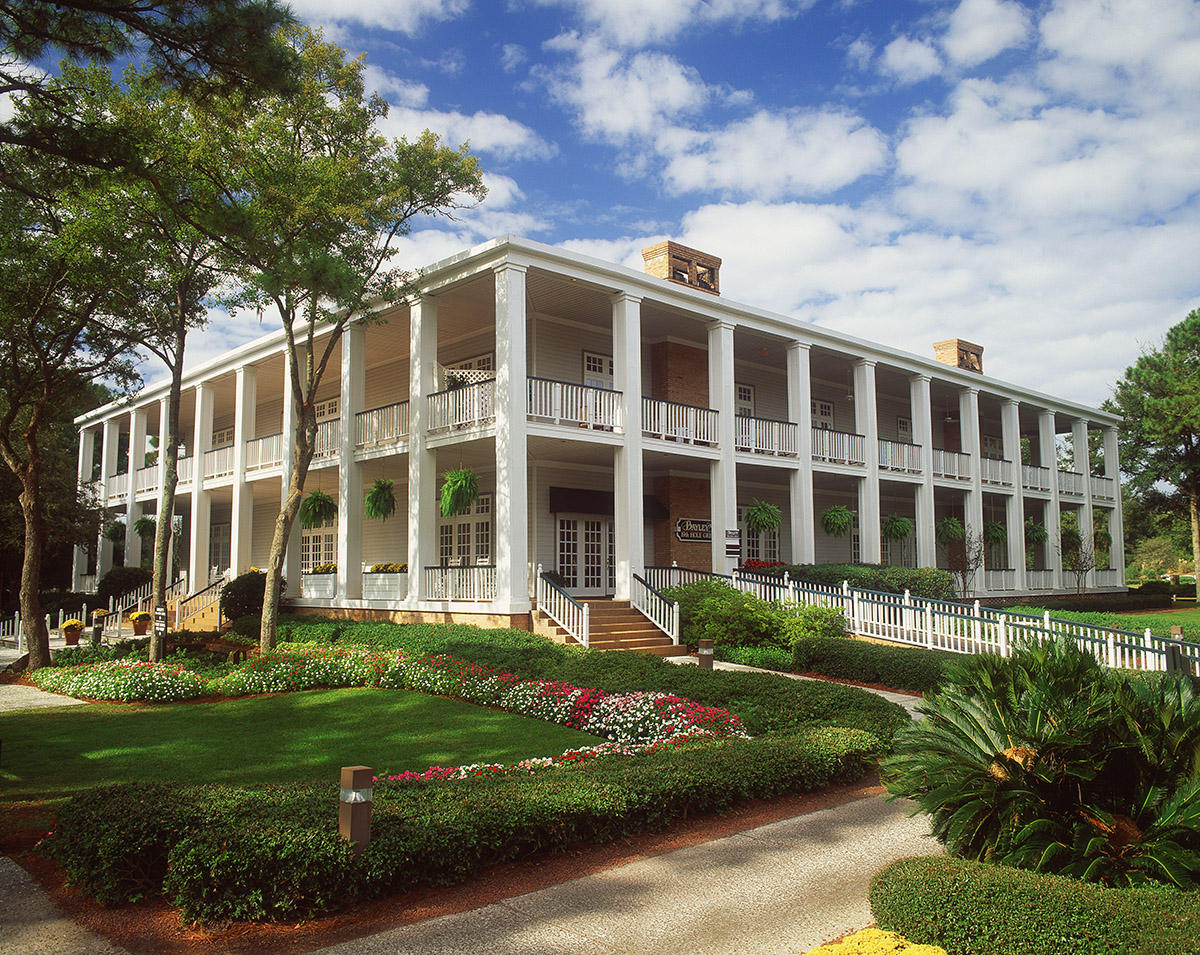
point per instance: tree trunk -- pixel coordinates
(1194, 508)
(284, 523)
(33, 622)
(165, 526)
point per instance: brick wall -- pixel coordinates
(682, 497)
(679, 373)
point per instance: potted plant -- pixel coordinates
(317, 509)
(380, 502)
(949, 530)
(460, 489)
(71, 629)
(995, 532)
(837, 521)
(895, 527)
(762, 516)
(141, 622)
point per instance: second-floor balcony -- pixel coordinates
(146, 479)
(116, 486)
(951, 465)
(673, 421)
(328, 441)
(265, 452)
(838, 447)
(899, 456)
(1104, 488)
(766, 436)
(1035, 478)
(381, 427)
(467, 406)
(218, 462)
(582, 406)
(996, 471)
(1070, 483)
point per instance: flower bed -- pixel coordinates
(124, 681)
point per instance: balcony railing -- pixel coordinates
(146, 479)
(1039, 579)
(264, 452)
(472, 583)
(1000, 580)
(1108, 578)
(184, 469)
(1105, 488)
(563, 402)
(1035, 478)
(381, 427)
(116, 486)
(329, 439)
(463, 407)
(218, 462)
(838, 447)
(951, 464)
(766, 436)
(673, 421)
(995, 471)
(899, 456)
(1070, 482)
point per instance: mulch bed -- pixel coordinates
(153, 927)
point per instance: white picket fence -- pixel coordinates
(944, 625)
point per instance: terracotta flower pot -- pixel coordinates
(72, 637)
(141, 628)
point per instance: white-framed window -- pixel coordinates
(484, 362)
(993, 446)
(466, 539)
(222, 437)
(318, 545)
(904, 430)
(761, 546)
(855, 541)
(822, 414)
(597, 370)
(326, 409)
(744, 399)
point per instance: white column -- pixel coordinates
(968, 418)
(800, 481)
(1116, 520)
(291, 554)
(87, 439)
(1014, 511)
(133, 510)
(866, 423)
(512, 462)
(245, 413)
(164, 409)
(350, 480)
(921, 408)
(199, 566)
(422, 463)
(108, 457)
(1083, 464)
(723, 472)
(1048, 455)
(628, 501)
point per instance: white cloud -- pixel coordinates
(493, 133)
(859, 53)
(512, 55)
(631, 23)
(981, 29)
(909, 61)
(404, 16)
(396, 90)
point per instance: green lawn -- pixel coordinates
(285, 737)
(1163, 622)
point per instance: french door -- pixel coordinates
(587, 554)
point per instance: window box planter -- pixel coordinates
(379, 586)
(318, 585)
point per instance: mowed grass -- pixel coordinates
(1163, 621)
(286, 737)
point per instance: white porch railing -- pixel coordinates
(381, 427)
(570, 614)
(766, 436)
(87, 584)
(951, 464)
(563, 402)
(655, 606)
(1039, 579)
(183, 470)
(1000, 580)
(995, 471)
(838, 447)
(116, 486)
(320, 586)
(329, 439)
(674, 421)
(146, 479)
(198, 602)
(1104, 488)
(384, 586)
(1108, 577)
(462, 407)
(473, 583)
(218, 462)
(1035, 478)
(1070, 482)
(264, 452)
(899, 456)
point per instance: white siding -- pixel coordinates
(560, 347)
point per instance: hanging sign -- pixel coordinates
(733, 543)
(693, 529)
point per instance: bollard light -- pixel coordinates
(354, 808)
(706, 654)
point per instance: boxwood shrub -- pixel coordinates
(905, 668)
(222, 852)
(973, 908)
(919, 581)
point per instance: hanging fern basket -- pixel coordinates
(837, 521)
(949, 530)
(115, 532)
(1035, 533)
(895, 527)
(380, 502)
(317, 509)
(144, 527)
(994, 532)
(762, 516)
(460, 491)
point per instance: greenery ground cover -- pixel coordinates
(281, 738)
(1159, 623)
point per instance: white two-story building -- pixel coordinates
(616, 420)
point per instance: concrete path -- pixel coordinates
(16, 696)
(781, 888)
(30, 924)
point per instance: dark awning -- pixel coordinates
(570, 500)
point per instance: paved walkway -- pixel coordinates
(30, 924)
(781, 888)
(17, 696)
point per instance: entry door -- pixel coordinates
(219, 547)
(587, 554)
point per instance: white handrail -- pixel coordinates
(329, 439)
(995, 471)
(264, 452)
(218, 462)
(838, 447)
(563, 402)
(471, 583)
(1070, 482)
(951, 464)
(462, 407)
(1035, 478)
(574, 617)
(673, 421)
(381, 426)
(661, 611)
(899, 456)
(766, 436)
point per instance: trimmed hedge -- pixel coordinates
(273, 852)
(972, 908)
(905, 668)
(765, 704)
(1099, 603)
(919, 581)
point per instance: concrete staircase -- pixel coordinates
(615, 625)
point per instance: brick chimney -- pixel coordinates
(960, 354)
(677, 263)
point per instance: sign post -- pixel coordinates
(733, 544)
(160, 626)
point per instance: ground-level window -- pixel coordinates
(467, 538)
(761, 546)
(318, 545)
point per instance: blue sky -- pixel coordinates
(1024, 175)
